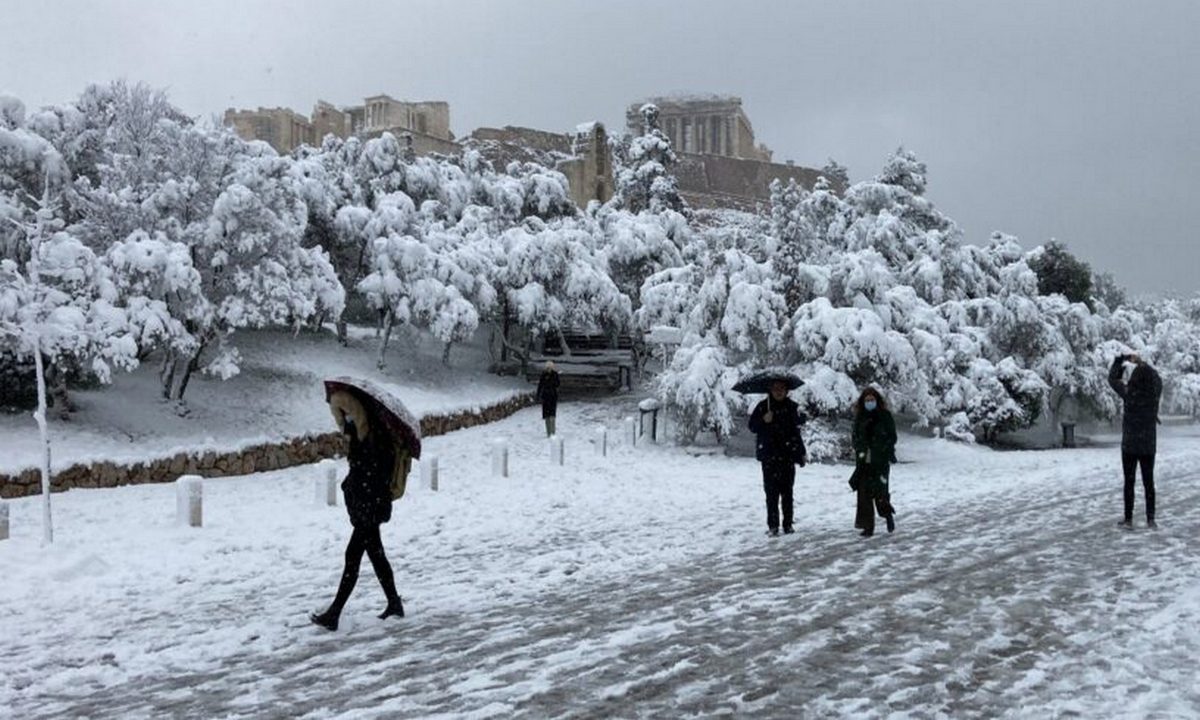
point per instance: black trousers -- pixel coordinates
(779, 476)
(364, 539)
(864, 516)
(1130, 463)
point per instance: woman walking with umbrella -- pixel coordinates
(779, 447)
(382, 436)
(874, 452)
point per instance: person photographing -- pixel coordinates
(1139, 428)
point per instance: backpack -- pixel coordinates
(400, 468)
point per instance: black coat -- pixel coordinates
(1139, 424)
(874, 440)
(547, 392)
(779, 440)
(367, 487)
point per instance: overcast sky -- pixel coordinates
(1046, 119)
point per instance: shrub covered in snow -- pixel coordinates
(875, 286)
(827, 440)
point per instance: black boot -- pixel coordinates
(327, 620)
(394, 607)
(867, 533)
(891, 522)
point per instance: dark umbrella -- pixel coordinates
(760, 381)
(381, 405)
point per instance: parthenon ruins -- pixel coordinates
(703, 125)
(721, 164)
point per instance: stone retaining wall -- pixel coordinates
(256, 458)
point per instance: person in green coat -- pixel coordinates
(874, 452)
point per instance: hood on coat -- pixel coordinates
(345, 406)
(1141, 380)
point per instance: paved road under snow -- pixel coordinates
(1011, 597)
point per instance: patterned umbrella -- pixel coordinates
(383, 406)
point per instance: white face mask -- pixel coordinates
(870, 404)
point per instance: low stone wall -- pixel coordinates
(256, 458)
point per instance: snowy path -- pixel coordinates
(651, 592)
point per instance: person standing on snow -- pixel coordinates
(779, 447)
(547, 392)
(874, 442)
(368, 496)
(1139, 428)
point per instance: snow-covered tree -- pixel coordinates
(856, 343)
(798, 244)
(56, 307)
(879, 289)
(553, 279)
(1058, 271)
(1107, 291)
(636, 246)
(698, 389)
(644, 180)
(160, 290)
(1173, 345)
(198, 230)
(422, 282)
(70, 312)
(836, 175)
(167, 236)
(731, 317)
(254, 271)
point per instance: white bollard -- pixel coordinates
(631, 431)
(556, 450)
(3, 520)
(325, 487)
(500, 459)
(602, 442)
(189, 494)
(429, 472)
(331, 484)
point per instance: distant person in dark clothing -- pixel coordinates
(368, 495)
(874, 442)
(547, 392)
(779, 447)
(1139, 428)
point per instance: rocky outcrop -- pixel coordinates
(256, 458)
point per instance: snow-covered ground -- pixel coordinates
(641, 584)
(277, 395)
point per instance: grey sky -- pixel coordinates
(1042, 118)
